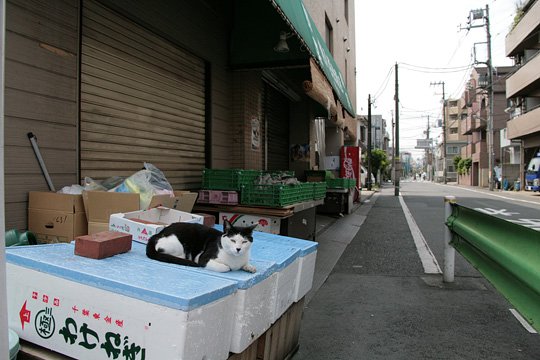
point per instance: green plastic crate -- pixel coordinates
(275, 195)
(341, 183)
(228, 179)
(319, 190)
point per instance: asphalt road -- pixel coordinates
(377, 303)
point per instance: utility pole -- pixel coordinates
(393, 147)
(443, 128)
(368, 175)
(398, 160)
(491, 100)
(477, 15)
(427, 149)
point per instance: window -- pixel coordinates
(329, 35)
(452, 150)
(453, 130)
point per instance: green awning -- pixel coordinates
(296, 15)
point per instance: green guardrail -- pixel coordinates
(507, 254)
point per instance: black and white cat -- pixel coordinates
(199, 245)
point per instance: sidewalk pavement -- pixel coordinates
(371, 299)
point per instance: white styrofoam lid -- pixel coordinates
(305, 246)
(244, 279)
(148, 281)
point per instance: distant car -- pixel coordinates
(363, 174)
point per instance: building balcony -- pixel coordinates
(520, 37)
(452, 110)
(525, 80)
(481, 154)
(474, 124)
(524, 125)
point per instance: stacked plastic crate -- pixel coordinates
(222, 186)
(256, 187)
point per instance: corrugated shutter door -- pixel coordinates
(142, 99)
(276, 111)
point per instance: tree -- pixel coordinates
(379, 161)
(457, 159)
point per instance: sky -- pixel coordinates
(424, 38)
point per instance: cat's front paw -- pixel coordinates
(249, 268)
(217, 266)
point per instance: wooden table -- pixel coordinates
(295, 220)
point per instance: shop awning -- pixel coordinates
(296, 15)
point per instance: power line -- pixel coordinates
(384, 84)
(437, 70)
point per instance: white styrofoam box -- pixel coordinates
(95, 309)
(151, 221)
(287, 259)
(255, 299)
(268, 224)
(308, 257)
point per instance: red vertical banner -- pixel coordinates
(350, 163)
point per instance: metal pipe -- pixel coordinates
(449, 251)
(33, 141)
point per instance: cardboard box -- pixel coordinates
(55, 218)
(100, 205)
(143, 224)
(103, 244)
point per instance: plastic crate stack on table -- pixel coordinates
(274, 189)
(275, 200)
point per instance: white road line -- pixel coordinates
(429, 262)
(523, 322)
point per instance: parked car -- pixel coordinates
(363, 175)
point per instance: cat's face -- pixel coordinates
(237, 241)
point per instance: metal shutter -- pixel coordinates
(142, 99)
(276, 112)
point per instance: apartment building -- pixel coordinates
(523, 86)
(455, 138)
(474, 112)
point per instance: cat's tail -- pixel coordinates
(159, 256)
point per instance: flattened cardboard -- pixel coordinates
(182, 200)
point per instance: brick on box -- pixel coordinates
(102, 244)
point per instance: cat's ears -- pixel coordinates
(227, 226)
